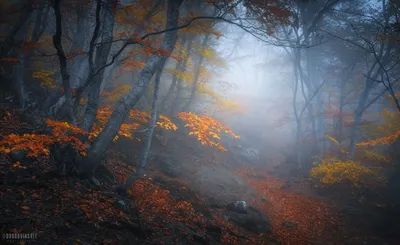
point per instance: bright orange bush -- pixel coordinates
(39, 144)
(206, 129)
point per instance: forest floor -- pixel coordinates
(181, 200)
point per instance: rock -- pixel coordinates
(121, 203)
(237, 206)
(252, 221)
(95, 182)
(18, 155)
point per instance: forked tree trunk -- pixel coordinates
(63, 63)
(103, 141)
(102, 53)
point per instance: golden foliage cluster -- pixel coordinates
(206, 129)
(332, 170)
(46, 77)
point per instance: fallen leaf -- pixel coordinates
(25, 208)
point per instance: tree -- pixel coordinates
(104, 139)
(152, 123)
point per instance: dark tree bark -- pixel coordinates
(103, 141)
(63, 63)
(102, 53)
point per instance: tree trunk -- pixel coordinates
(198, 68)
(197, 74)
(169, 96)
(103, 141)
(358, 116)
(143, 161)
(102, 53)
(170, 93)
(175, 107)
(10, 42)
(63, 63)
(297, 117)
(19, 81)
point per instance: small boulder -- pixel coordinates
(237, 206)
(121, 204)
(18, 155)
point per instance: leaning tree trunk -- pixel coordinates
(143, 161)
(103, 141)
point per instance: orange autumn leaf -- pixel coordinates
(207, 130)
(39, 144)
